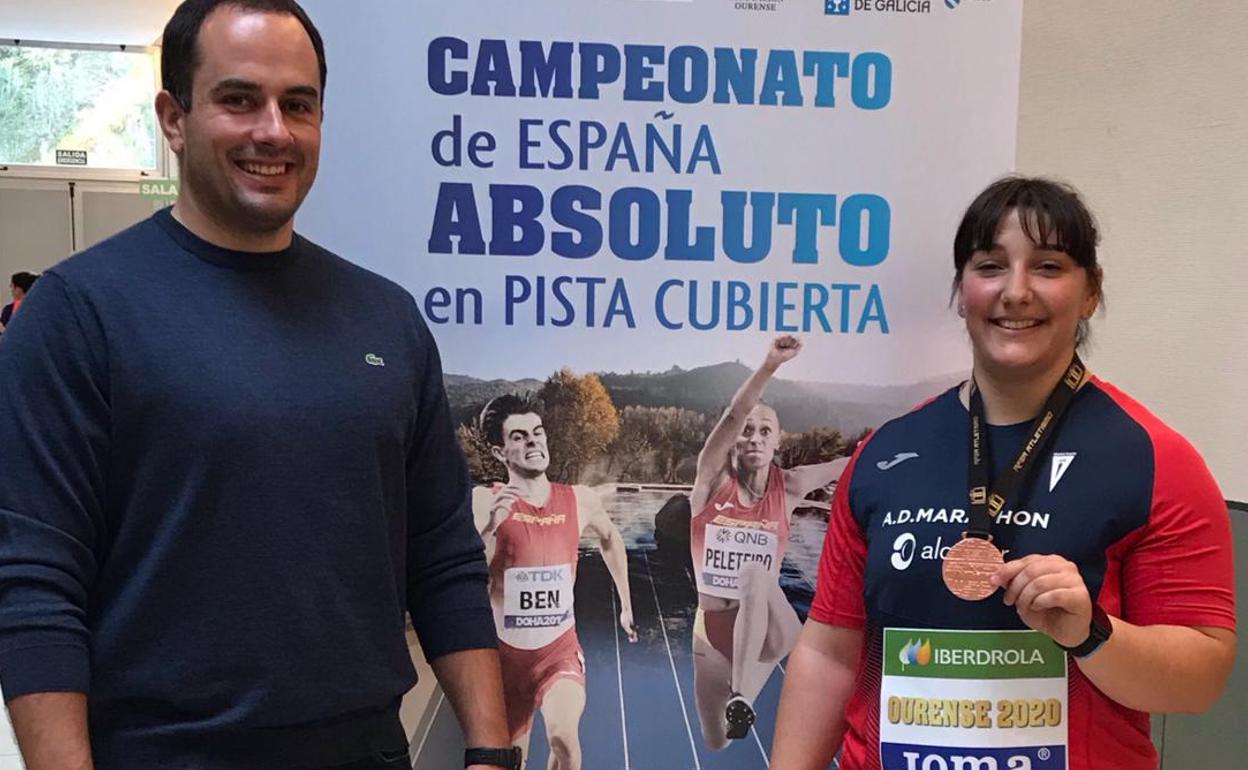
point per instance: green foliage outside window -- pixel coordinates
(77, 99)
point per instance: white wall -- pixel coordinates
(1140, 104)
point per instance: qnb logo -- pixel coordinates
(836, 7)
(915, 653)
(903, 550)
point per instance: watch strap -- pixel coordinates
(1099, 631)
(506, 758)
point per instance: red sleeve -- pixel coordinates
(839, 588)
(1178, 569)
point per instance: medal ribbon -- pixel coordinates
(986, 502)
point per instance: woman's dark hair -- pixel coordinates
(1051, 214)
(500, 408)
(179, 53)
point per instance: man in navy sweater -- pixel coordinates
(230, 468)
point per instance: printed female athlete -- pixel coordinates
(741, 503)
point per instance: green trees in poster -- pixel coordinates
(658, 443)
(592, 441)
(482, 465)
(818, 445)
(581, 422)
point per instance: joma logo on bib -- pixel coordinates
(917, 761)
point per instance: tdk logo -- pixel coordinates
(836, 7)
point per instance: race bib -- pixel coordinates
(727, 551)
(972, 700)
(538, 597)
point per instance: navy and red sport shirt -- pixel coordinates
(1119, 493)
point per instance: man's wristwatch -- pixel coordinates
(1098, 634)
(508, 759)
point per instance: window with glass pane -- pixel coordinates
(77, 107)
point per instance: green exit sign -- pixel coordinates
(162, 191)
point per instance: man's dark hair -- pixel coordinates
(500, 408)
(24, 280)
(1050, 213)
(179, 53)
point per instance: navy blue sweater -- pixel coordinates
(225, 477)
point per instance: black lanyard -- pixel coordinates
(986, 503)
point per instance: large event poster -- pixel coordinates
(625, 208)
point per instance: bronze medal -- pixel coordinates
(969, 565)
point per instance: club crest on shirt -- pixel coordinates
(1061, 462)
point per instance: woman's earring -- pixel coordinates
(961, 311)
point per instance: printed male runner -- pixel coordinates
(531, 528)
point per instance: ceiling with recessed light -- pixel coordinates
(128, 22)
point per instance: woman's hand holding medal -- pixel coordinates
(1050, 596)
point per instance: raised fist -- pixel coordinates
(783, 348)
